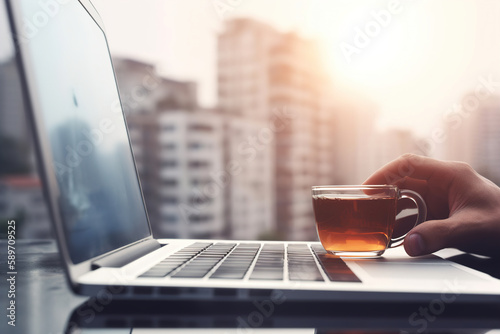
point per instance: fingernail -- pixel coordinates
(415, 244)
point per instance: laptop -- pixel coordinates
(100, 219)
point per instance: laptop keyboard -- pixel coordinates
(176, 260)
(301, 264)
(334, 267)
(236, 265)
(270, 263)
(204, 262)
(234, 261)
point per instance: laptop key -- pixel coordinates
(204, 262)
(301, 264)
(228, 275)
(176, 260)
(270, 263)
(267, 275)
(236, 264)
(157, 272)
(334, 267)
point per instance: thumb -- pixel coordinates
(431, 236)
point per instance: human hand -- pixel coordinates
(463, 206)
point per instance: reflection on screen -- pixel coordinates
(99, 198)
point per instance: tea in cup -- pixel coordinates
(360, 220)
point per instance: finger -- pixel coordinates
(431, 236)
(467, 231)
(412, 166)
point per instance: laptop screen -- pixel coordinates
(99, 196)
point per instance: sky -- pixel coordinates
(414, 59)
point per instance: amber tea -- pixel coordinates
(359, 220)
(355, 224)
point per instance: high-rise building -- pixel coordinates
(273, 87)
(243, 94)
(191, 196)
(143, 90)
(304, 146)
(475, 138)
(144, 135)
(249, 149)
(487, 160)
(177, 147)
(353, 138)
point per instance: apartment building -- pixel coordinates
(274, 82)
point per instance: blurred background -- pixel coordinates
(236, 108)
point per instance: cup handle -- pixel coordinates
(421, 215)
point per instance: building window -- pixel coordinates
(198, 164)
(201, 127)
(168, 127)
(170, 200)
(148, 136)
(199, 200)
(169, 163)
(195, 145)
(200, 182)
(170, 146)
(170, 182)
(200, 218)
(170, 219)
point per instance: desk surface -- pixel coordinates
(44, 304)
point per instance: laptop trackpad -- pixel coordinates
(413, 270)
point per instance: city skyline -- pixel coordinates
(329, 138)
(440, 49)
(461, 45)
(251, 161)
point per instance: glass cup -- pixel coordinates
(359, 220)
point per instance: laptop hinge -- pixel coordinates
(126, 255)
